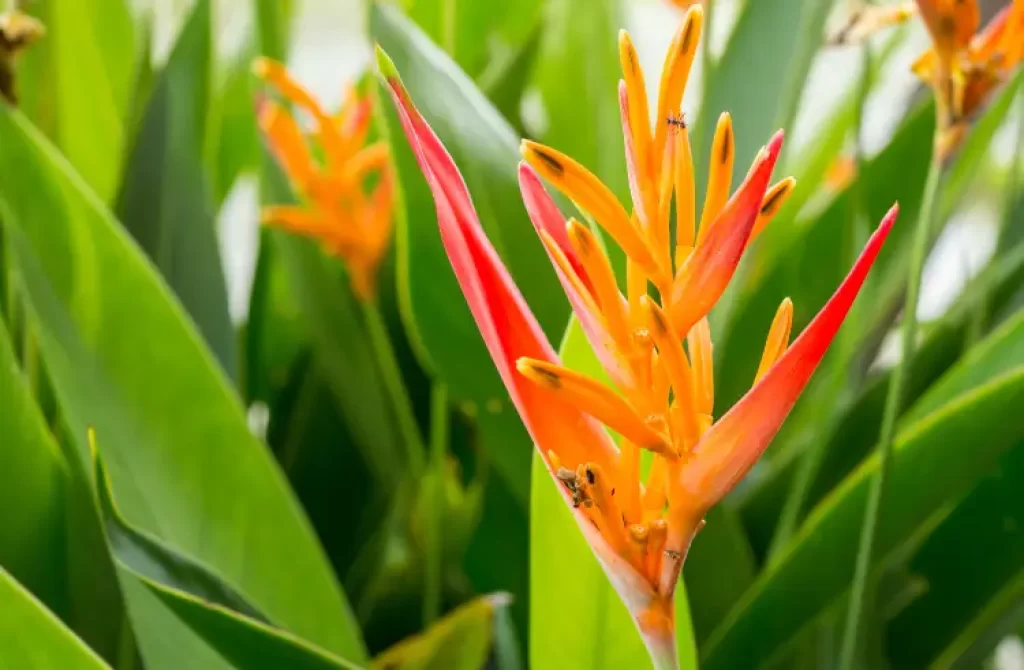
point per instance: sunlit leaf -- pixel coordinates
(460, 641)
(183, 464)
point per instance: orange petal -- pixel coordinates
(731, 447)
(723, 155)
(287, 145)
(778, 338)
(550, 225)
(641, 184)
(951, 23)
(674, 74)
(706, 273)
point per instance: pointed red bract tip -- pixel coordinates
(508, 327)
(709, 269)
(733, 444)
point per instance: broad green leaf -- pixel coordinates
(930, 466)
(196, 633)
(32, 474)
(506, 88)
(462, 640)
(477, 35)
(484, 147)
(1001, 617)
(576, 618)
(32, 637)
(52, 539)
(152, 559)
(576, 78)
(164, 200)
(78, 84)
(755, 72)
(124, 358)
(232, 145)
(972, 555)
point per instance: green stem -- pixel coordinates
(448, 13)
(811, 461)
(862, 590)
(435, 521)
(387, 363)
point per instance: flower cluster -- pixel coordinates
(964, 68)
(346, 185)
(655, 346)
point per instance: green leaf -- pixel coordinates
(335, 320)
(154, 560)
(78, 84)
(477, 35)
(930, 466)
(972, 555)
(719, 568)
(197, 633)
(124, 358)
(232, 147)
(1001, 617)
(484, 147)
(164, 201)
(462, 640)
(32, 637)
(32, 474)
(576, 617)
(577, 77)
(48, 512)
(755, 72)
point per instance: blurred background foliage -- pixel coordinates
(250, 499)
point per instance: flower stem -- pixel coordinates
(387, 363)
(435, 520)
(862, 590)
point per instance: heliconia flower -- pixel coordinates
(662, 400)
(866, 19)
(346, 185)
(964, 68)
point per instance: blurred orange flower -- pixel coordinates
(964, 68)
(662, 401)
(346, 186)
(864, 20)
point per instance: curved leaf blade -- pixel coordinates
(181, 458)
(32, 637)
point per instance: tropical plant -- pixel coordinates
(369, 454)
